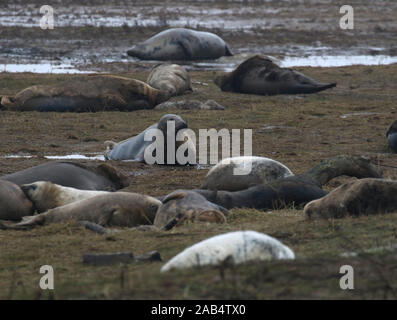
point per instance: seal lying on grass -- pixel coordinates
(171, 78)
(47, 195)
(87, 94)
(295, 189)
(13, 203)
(354, 198)
(72, 174)
(233, 247)
(116, 209)
(258, 170)
(260, 75)
(182, 206)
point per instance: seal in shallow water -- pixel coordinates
(181, 44)
(260, 75)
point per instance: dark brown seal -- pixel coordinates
(260, 75)
(71, 174)
(392, 136)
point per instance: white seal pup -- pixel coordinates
(239, 173)
(238, 247)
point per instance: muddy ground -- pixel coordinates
(96, 35)
(298, 130)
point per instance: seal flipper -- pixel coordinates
(26, 223)
(228, 52)
(187, 50)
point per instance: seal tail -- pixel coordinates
(324, 86)
(228, 52)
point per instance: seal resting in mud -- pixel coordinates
(87, 94)
(72, 174)
(253, 171)
(392, 136)
(47, 195)
(134, 148)
(295, 189)
(181, 44)
(233, 247)
(13, 203)
(182, 205)
(354, 198)
(171, 78)
(260, 75)
(119, 209)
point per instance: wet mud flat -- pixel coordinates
(95, 36)
(299, 131)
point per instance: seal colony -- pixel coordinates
(260, 75)
(67, 191)
(293, 189)
(181, 44)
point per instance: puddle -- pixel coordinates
(76, 157)
(347, 115)
(15, 156)
(337, 61)
(40, 68)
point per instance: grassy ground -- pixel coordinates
(312, 129)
